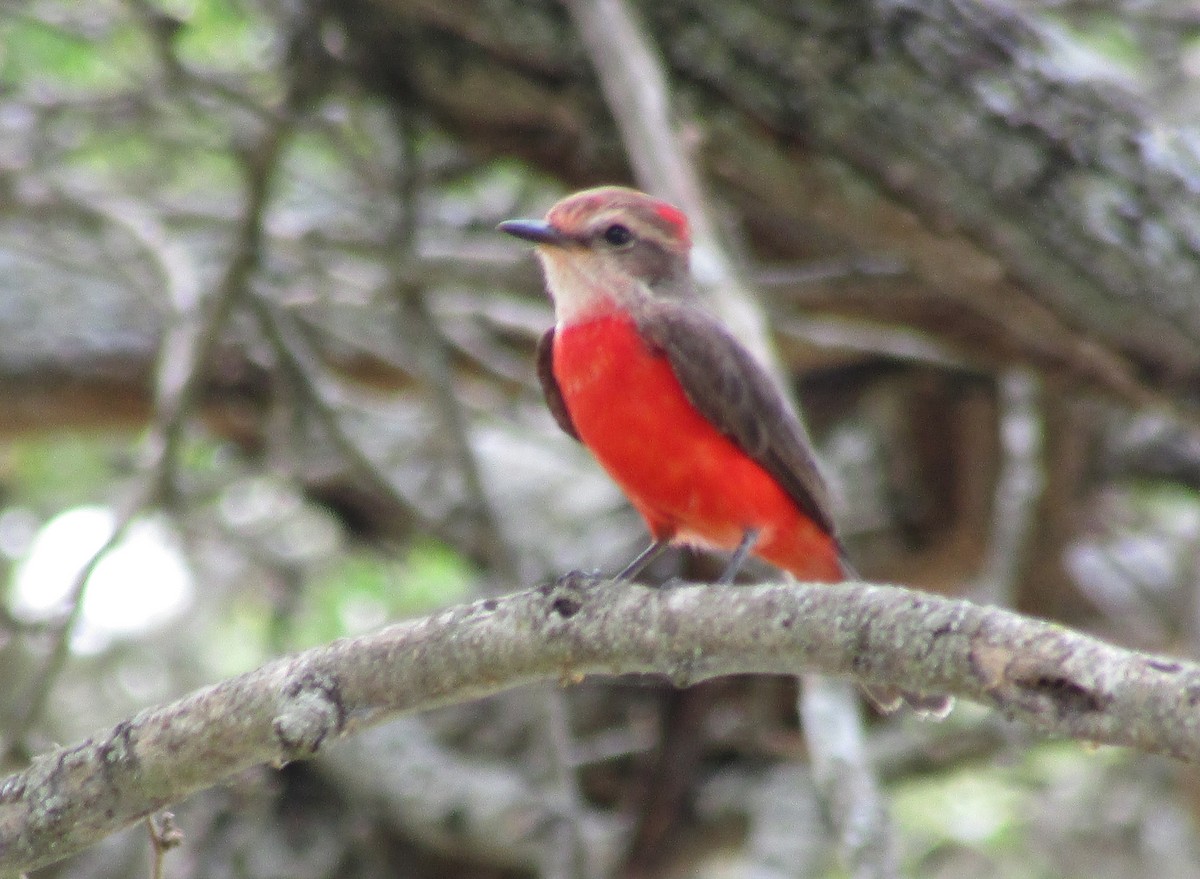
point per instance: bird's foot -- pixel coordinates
(669, 583)
(576, 578)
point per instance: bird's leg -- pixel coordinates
(645, 557)
(739, 557)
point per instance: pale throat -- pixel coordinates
(584, 286)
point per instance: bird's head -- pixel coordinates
(609, 247)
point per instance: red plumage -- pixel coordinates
(690, 482)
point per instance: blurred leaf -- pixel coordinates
(222, 34)
(61, 470)
(38, 54)
(362, 591)
(991, 811)
(239, 638)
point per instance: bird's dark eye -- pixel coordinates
(617, 235)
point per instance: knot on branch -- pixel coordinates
(12, 788)
(1035, 681)
(568, 593)
(118, 749)
(1066, 696)
(312, 711)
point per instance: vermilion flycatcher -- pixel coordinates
(674, 408)
(677, 411)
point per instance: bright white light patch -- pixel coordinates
(142, 583)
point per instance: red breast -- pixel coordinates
(690, 482)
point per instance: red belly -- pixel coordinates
(691, 483)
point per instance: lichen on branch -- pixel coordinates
(1061, 682)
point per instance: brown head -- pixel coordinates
(609, 247)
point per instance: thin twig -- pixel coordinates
(568, 854)
(1018, 487)
(847, 334)
(164, 835)
(41, 683)
(819, 271)
(829, 711)
(434, 352)
(325, 400)
(192, 338)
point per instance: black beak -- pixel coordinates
(537, 231)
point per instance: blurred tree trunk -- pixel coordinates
(1038, 205)
(1041, 210)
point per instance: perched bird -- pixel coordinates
(684, 419)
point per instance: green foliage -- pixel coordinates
(996, 811)
(56, 471)
(1109, 36)
(38, 55)
(222, 34)
(362, 591)
(78, 61)
(980, 808)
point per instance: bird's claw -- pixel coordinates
(574, 577)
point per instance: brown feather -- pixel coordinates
(545, 373)
(730, 389)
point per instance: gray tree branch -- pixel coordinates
(845, 779)
(1060, 682)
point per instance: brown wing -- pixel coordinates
(729, 388)
(545, 373)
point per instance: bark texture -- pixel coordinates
(1060, 682)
